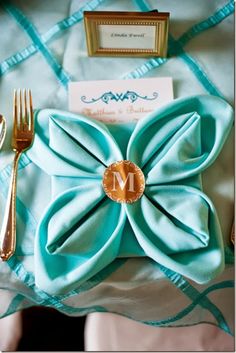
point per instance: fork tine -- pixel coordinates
(31, 124)
(15, 113)
(25, 108)
(21, 111)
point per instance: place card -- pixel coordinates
(117, 101)
(114, 33)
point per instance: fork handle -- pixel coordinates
(8, 231)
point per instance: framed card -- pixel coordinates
(126, 33)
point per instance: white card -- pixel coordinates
(116, 101)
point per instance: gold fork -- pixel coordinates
(22, 138)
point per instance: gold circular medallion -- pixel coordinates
(123, 181)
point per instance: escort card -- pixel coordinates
(116, 101)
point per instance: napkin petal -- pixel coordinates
(71, 145)
(178, 228)
(181, 139)
(78, 236)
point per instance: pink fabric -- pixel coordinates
(10, 332)
(109, 332)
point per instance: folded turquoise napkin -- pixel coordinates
(173, 222)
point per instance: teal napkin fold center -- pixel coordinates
(173, 222)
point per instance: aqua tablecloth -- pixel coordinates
(43, 47)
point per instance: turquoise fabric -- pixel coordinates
(174, 223)
(43, 47)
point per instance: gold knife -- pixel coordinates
(2, 130)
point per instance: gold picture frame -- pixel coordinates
(138, 34)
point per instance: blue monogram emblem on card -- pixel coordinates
(110, 96)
